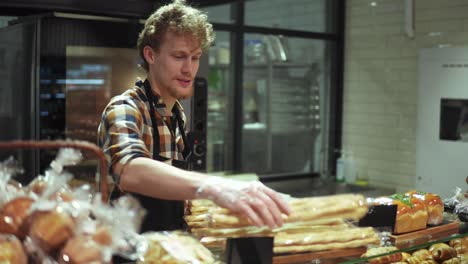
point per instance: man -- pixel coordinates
(142, 130)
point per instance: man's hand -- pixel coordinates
(262, 205)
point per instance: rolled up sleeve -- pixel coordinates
(123, 136)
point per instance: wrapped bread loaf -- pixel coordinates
(175, 248)
(434, 206)
(351, 237)
(345, 206)
(390, 258)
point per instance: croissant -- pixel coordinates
(445, 253)
(413, 260)
(405, 256)
(437, 246)
(422, 254)
(429, 261)
(453, 261)
(460, 244)
(386, 259)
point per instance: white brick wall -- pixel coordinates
(381, 82)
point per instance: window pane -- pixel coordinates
(219, 13)
(307, 15)
(286, 86)
(220, 105)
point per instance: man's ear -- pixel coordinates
(150, 54)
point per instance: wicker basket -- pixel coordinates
(57, 144)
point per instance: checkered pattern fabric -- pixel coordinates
(126, 129)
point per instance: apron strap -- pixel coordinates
(186, 153)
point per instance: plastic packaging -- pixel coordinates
(11, 250)
(316, 210)
(451, 203)
(59, 224)
(340, 167)
(326, 240)
(175, 247)
(350, 173)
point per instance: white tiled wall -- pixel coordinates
(381, 81)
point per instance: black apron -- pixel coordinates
(163, 214)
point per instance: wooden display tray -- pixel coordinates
(331, 255)
(425, 235)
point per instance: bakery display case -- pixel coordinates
(449, 250)
(320, 229)
(325, 229)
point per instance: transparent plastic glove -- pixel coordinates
(262, 205)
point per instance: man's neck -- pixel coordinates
(168, 100)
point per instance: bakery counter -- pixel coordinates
(314, 186)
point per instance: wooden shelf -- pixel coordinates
(323, 256)
(424, 236)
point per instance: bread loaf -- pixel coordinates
(411, 214)
(434, 206)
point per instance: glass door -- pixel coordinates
(285, 103)
(84, 61)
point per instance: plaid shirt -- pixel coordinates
(126, 129)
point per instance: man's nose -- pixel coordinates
(187, 66)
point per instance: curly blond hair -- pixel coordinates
(179, 18)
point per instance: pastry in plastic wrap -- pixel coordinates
(11, 250)
(13, 215)
(38, 185)
(50, 230)
(81, 250)
(62, 195)
(390, 258)
(175, 248)
(102, 236)
(434, 206)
